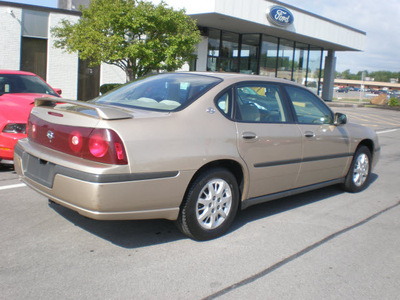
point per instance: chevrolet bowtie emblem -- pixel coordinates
(50, 135)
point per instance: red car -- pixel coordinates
(18, 91)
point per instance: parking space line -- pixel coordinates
(12, 186)
(387, 131)
(380, 119)
(374, 119)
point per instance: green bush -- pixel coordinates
(108, 87)
(394, 102)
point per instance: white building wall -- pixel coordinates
(10, 28)
(305, 24)
(62, 67)
(255, 12)
(111, 74)
(191, 6)
(312, 26)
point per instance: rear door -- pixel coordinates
(268, 140)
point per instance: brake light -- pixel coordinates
(97, 144)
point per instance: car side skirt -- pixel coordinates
(253, 201)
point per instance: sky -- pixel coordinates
(379, 19)
(46, 3)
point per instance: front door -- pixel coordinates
(325, 146)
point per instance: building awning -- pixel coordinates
(229, 23)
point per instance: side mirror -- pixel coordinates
(340, 119)
(58, 91)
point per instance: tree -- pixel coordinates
(137, 36)
(384, 76)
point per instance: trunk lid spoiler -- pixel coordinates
(97, 111)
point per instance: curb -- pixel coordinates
(344, 104)
(332, 104)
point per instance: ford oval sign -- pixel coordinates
(280, 16)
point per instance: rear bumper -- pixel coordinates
(105, 196)
(6, 162)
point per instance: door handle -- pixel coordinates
(309, 134)
(249, 135)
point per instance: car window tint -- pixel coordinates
(308, 107)
(167, 92)
(224, 102)
(260, 103)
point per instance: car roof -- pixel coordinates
(16, 72)
(243, 77)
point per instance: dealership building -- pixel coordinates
(248, 36)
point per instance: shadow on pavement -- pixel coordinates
(142, 233)
(126, 234)
(271, 208)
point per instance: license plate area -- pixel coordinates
(39, 170)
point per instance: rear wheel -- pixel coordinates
(359, 172)
(210, 205)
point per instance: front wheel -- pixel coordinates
(210, 205)
(359, 172)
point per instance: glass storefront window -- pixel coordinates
(269, 52)
(229, 52)
(300, 63)
(249, 53)
(264, 55)
(285, 59)
(314, 69)
(213, 49)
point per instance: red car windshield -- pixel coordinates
(17, 84)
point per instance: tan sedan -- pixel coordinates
(191, 147)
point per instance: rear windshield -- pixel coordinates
(163, 92)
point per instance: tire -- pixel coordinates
(210, 205)
(358, 176)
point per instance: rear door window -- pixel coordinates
(259, 103)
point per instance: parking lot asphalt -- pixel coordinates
(377, 119)
(324, 244)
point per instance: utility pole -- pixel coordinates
(362, 86)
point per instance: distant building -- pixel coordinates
(72, 4)
(371, 85)
(264, 37)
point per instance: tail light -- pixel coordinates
(96, 144)
(15, 128)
